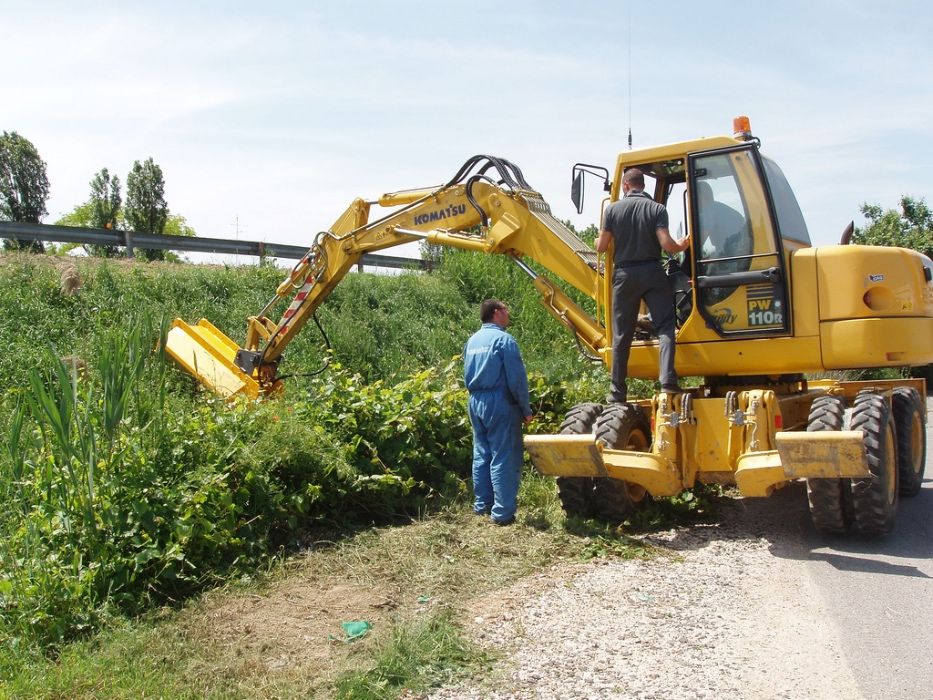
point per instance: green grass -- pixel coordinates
(124, 489)
(430, 570)
(418, 656)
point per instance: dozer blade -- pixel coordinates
(582, 456)
(823, 454)
(565, 455)
(208, 354)
(803, 455)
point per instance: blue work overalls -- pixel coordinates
(495, 376)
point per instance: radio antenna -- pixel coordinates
(630, 75)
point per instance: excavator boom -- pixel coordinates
(486, 207)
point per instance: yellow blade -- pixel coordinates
(565, 455)
(208, 355)
(581, 456)
(823, 454)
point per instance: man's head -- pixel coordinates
(494, 311)
(704, 193)
(633, 180)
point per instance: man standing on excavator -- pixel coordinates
(639, 228)
(495, 376)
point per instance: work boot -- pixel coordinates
(671, 389)
(507, 521)
(614, 398)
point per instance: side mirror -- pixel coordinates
(576, 191)
(576, 185)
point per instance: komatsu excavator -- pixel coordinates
(757, 308)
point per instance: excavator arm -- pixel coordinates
(486, 207)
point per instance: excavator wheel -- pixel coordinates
(830, 499)
(909, 418)
(576, 492)
(620, 427)
(874, 500)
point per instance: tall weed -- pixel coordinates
(123, 486)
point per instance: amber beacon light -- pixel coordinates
(742, 128)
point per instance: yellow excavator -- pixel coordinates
(758, 308)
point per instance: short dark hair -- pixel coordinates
(488, 309)
(634, 177)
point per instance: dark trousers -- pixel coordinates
(631, 284)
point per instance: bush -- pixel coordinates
(409, 442)
(124, 486)
(120, 495)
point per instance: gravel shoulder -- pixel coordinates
(727, 611)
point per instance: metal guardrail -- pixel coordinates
(132, 239)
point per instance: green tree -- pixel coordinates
(24, 185)
(106, 199)
(101, 210)
(911, 227)
(105, 204)
(177, 225)
(146, 208)
(82, 216)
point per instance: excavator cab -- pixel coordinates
(733, 283)
(737, 264)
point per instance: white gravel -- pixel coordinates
(728, 613)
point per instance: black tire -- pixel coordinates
(910, 429)
(828, 498)
(874, 500)
(621, 427)
(575, 492)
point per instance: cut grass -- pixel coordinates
(280, 635)
(418, 656)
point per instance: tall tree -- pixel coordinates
(82, 215)
(177, 225)
(24, 185)
(105, 204)
(106, 199)
(146, 208)
(911, 227)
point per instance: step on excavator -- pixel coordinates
(759, 310)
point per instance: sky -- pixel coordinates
(268, 119)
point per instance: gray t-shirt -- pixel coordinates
(634, 221)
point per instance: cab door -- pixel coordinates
(741, 282)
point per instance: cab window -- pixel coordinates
(740, 281)
(790, 219)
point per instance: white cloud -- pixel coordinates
(283, 114)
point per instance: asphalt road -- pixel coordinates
(878, 593)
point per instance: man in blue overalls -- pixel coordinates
(495, 376)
